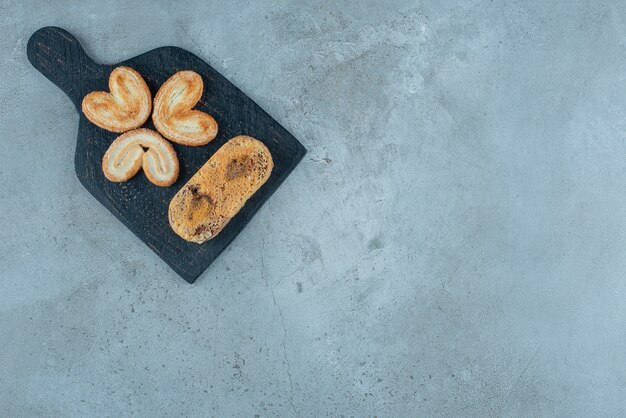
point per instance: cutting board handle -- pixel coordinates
(58, 55)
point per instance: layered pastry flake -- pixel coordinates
(126, 106)
(137, 149)
(174, 116)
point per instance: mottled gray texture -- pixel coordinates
(453, 244)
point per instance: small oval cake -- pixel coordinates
(221, 187)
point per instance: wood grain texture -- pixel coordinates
(140, 205)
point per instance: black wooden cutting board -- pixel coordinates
(139, 204)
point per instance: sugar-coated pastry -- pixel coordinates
(127, 155)
(174, 116)
(127, 106)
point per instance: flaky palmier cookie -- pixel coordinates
(126, 156)
(173, 115)
(214, 195)
(126, 107)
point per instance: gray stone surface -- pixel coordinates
(453, 244)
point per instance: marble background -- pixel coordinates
(452, 245)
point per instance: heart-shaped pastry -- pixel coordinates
(126, 107)
(127, 154)
(173, 115)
